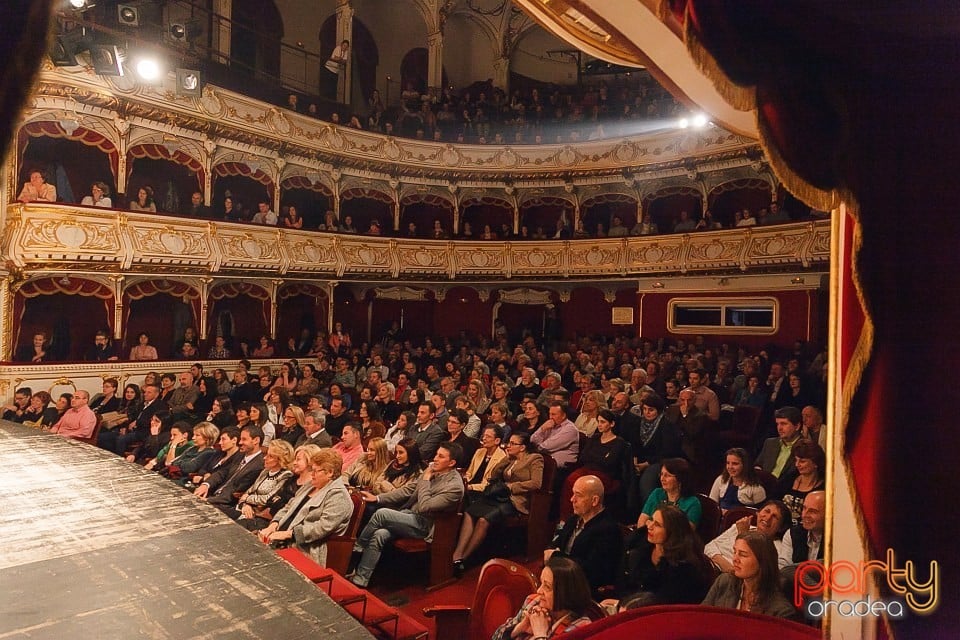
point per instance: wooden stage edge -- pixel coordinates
(95, 547)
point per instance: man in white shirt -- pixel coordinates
(265, 215)
(334, 64)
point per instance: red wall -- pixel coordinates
(588, 313)
(796, 317)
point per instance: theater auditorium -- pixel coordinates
(355, 318)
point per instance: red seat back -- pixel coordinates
(500, 591)
(709, 519)
(734, 514)
(692, 622)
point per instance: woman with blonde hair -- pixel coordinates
(587, 420)
(369, 470)
(477, 392)
(318, 511)
(266, 491)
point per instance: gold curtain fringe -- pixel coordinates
(744, 99)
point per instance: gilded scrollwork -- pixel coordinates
(169, 240)
(595, 257)
(69, 234)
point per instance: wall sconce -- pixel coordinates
(657, 285)
(797, 280)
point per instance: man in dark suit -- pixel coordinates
(696, 438)
(139, 428)
(775, 456)
(314, 431)
(591, 536)
(237, 477)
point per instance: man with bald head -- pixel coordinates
(805, 540)
(79, 420)
(591, 536)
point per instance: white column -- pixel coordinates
(435, 63)
(345, 32)
(501, 74)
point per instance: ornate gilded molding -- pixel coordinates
(246, 126)
(58, 238)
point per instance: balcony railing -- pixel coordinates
(49, 237)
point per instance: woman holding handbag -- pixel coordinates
(505, 495)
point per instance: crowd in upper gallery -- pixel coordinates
(484, 114)
(37, 189)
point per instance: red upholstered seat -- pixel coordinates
(692, 622)
(732, 515)
(710, 518)
(411, 545)
(500, 591)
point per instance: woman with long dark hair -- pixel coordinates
(754, 584)
(559, 606)
(737, 486)
(665, 564)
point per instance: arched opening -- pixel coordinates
(364, 206)
(541, 215)
(414, 68)
(415, 317)
(603, 208)
(730, 197)
(255, 38)
(239, 310)
(301, 307)
(246, 187)
(480, 212)
(423, 210)
(69, 162)
(665, 206)
(181, 309)
(173, 178)
(68, 311)
(312, 199)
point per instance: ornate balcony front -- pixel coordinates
(53, 238)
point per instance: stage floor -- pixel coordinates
(95, 547)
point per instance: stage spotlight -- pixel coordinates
(139, 13)
(107, 59)
(699, 121)
(149, 71)
(185, 31)
(128, 15)
(683, 123)
(66, 46)
(79, 5)
(188, 82)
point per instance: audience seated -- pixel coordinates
(236, 477)
(439, 488)
(754, 583)
(79, 420)
(267, 491)
(368, 472)
(37, 189)
(772, 520)
(737, 486)
(560, 605)
(501, 492)
(664, 563)
(810, 462)
(320, 509)
(591, 537)
(675, 490)
(636, 441)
